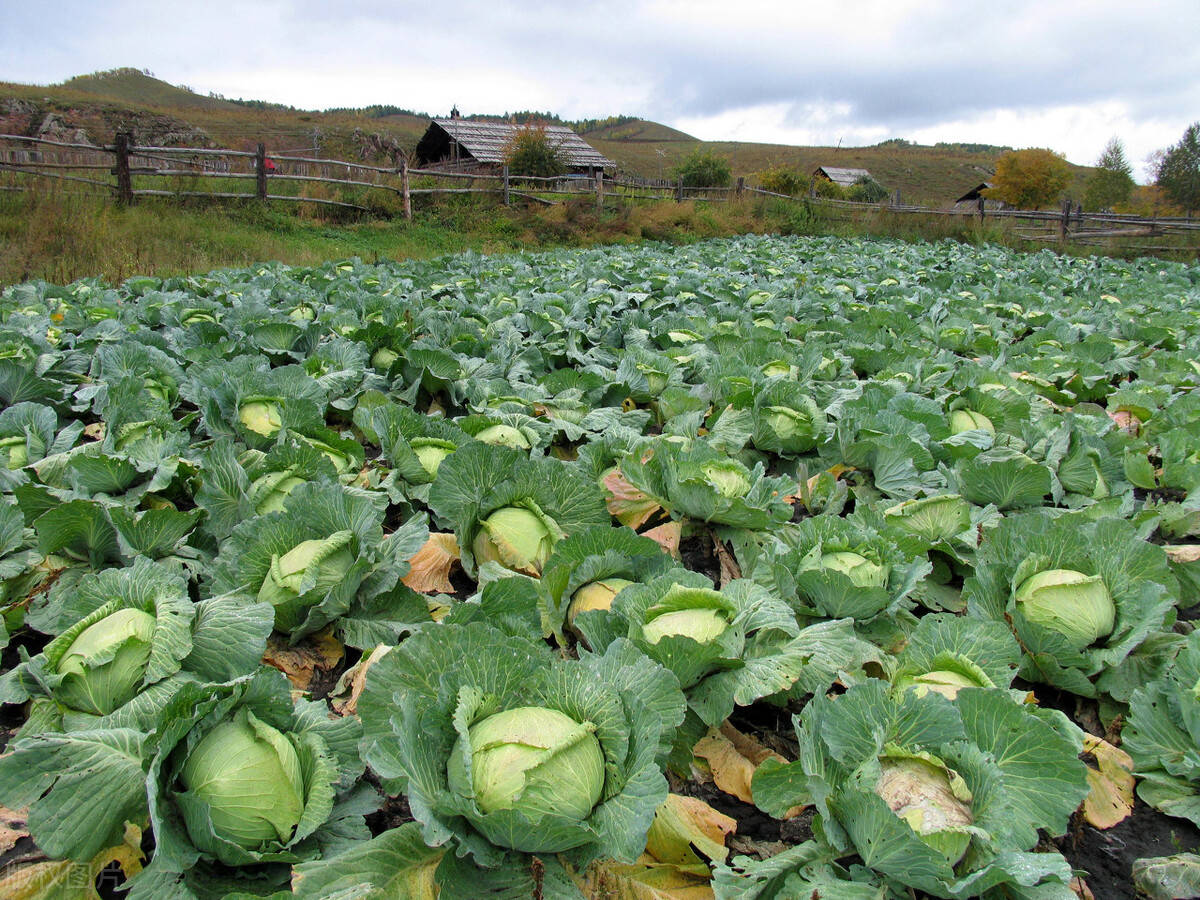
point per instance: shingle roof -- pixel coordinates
(845, 177)
(486, 141)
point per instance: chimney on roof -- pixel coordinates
(454, 113)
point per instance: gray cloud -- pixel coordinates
(873, 66)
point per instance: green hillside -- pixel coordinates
(137, 87)
(104, 102)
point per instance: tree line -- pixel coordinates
(1029, 179)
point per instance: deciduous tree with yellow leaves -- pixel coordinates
(1029, 179)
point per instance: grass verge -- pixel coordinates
(61, 237)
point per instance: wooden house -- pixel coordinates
(972, 198)
(462, 145)
(842, 177)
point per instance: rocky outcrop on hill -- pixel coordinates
(79, 124)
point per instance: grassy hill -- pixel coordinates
(133, 86)
(104, 102)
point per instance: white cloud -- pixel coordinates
(1058, 73)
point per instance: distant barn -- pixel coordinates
(459, 144)
(970, 200)
(842, 177)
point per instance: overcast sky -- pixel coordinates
(1063, 74)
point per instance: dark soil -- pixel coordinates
(1107, 857)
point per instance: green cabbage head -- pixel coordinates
(261, 416)
(860, 570)
(105, 664)
(533, 760)
(518, 538)
(947, 682)
(14, 451)
(696, 613)
(430, 452)
(932, 798)
(969, 420)
(243, 778)
(327, 560)
(268, 492)
(728, 478)
(595, 595)
(937, 518)
(1075, 605)
(504, 436)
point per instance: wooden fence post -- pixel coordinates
(121, 169)
(504, 172)
(679, 191)
(1064, 225)
(741, 186)
(982, 209)
(404, 190)
(600, 191)
(260, 171)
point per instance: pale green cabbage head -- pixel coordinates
(504, 436)
(430, 453)
(106, 663)
(261, 417)
(1077, 606)
(729, 479)
(268, 492)
(932, 798)
(247, 776)
(696, 613)
(946, 682)
(532, 759)
(860, 570)
(517, 538)
(933, 518)
(969, 420)
(342, 461)
(384, 357)
(788, 423)
(328, 559)
(14, 451)
(595, 595)
(780, 368)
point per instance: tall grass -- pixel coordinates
(59, 236)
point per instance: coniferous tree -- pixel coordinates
(1179, 171)
(1112, 182)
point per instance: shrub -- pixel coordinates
(828, 189)
(866, 190)
(782, 179)
(704, 168)
(531, 151)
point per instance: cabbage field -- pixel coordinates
(759, 568)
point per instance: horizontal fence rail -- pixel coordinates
(41, 160)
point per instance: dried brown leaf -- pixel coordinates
(344, 698)
(630, 506)
(683, 823)
(13, 827)
(432, 565)
(319, 652)
(1110, 799)
(62, 878)
(1187, 553)
(668, 536)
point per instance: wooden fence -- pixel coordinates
(134, 171)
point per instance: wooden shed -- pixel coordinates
(972, 198)
(842, 177)
(457, 143)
